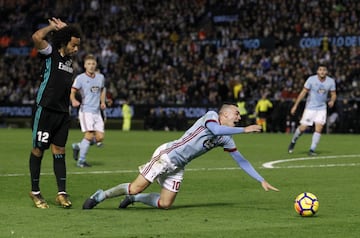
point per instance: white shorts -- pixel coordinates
(163, 170)
(310, 117)
(91, 121)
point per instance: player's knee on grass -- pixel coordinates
(164, 204)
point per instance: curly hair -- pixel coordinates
(63, 36)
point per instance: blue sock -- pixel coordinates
(84, 147)
(150, 199)
(118, 190)
(315, 140)
(296, 135)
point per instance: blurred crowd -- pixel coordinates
(151, 52)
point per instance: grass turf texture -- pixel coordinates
(216, 199)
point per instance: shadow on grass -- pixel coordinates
(175, 207)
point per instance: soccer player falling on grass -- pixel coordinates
(168, 162)
(318, 87)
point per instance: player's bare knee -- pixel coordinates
(99, 138)
(37, 152)
(164, 204)
(88, 137)
(133, 189)
(57, 149)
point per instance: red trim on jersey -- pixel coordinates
(174, 146)
(230, 150)
(90, 75)
(211, 120)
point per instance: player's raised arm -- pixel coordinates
(252, 128)
(39, 36)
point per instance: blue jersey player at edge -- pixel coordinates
(317, 87)
(167, 164)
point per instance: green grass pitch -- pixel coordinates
(216, 199)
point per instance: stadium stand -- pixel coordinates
(194, 52)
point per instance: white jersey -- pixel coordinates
(318, 92)
(90, 89)
(196, 141)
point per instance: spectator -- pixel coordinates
(159, 58)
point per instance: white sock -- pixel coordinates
(296, 135)
(119, 190)
(150, 199)
(84, 148)
(76, 146)
(315, 140)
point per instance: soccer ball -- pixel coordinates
(306, 204)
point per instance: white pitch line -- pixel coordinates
(320, 166)
(82, 172)
(270, 165)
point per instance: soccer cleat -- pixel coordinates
(63, 200)
(312, 153)
(76, 149)
(291, 147)
(127, 201)
(83, 164)
(90, 203)
(94, 199)
(38, 200)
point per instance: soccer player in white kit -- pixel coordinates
(91, 85)
(168, 162)
(318, 87)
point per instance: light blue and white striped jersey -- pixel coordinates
(90, 90)
(198, 140)
(318, 92)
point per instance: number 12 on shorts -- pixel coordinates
(43, 136)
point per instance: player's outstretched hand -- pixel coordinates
(268, 186)
(57, 23)
(252, 128)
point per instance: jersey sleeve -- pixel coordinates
(246, 166)
(77, 82)
(46, 51)
(307, 84)
(333, 86)
(102, 81)
(229, 144)
(218, 129)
